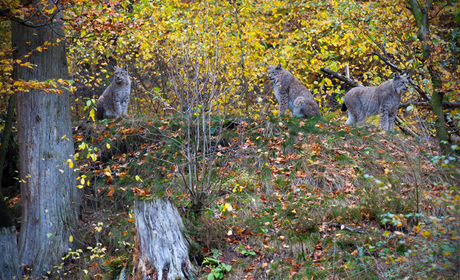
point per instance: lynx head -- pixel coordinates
(120, 76)
(400, 83)
(274, 72)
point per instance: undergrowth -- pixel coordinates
(301, 199)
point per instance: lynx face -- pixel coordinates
(400, 83)
(274, 72)
(120, 75)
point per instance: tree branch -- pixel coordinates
(394, 67)
(427, 105)
(340, 77)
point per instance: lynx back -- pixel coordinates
(363, 102)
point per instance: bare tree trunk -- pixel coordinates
(163, 250)
(50, 199)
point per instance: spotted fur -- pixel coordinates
(114, 101)
(363, 102)
(292, 94)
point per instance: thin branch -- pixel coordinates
(399, 122)
(445, 104)
(422, 93)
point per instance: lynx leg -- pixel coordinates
(350, 118)
(384, 120)
(118, 108)
(391, 120)
(297, 112)
(109, 114)
(282, 110)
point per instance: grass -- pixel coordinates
(286, 180)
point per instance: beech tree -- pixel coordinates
(50, 200)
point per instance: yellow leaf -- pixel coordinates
(46, 210)
(386, 233)
(80, 186)
(108, 174)
(70, 163)
(426, 233)
(92, 113)
(71, 239)
(108, 146)
(227, 207)
(229, 232)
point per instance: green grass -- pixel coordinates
(284, 178)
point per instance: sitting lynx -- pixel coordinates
(292, 94)
(363, 102)
(114, 101)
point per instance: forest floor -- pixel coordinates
(281, 198)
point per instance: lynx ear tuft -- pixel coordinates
(125, 67)
(278, 67)
(396, 76)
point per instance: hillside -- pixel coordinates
(275, 198)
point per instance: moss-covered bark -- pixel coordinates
(420, 14)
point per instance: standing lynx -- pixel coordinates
(363, 102)
(292, 94)
(114, 101)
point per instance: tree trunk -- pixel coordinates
(50, 199)
(9, 260)
(163, 250)
(420, 14)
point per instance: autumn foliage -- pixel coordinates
(263, 197)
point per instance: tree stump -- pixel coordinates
(163, 250)
(9, 256)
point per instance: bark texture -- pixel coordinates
(420, 14)
(162, 247)
(49, 197)
(9, 260)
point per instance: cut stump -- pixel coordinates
(163, 250)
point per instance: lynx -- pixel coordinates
(114, 101)
(292, 94)
(363, 102)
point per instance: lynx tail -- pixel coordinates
(100, 111)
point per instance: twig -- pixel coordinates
(399, 122)
(422, 93)
(341, 226)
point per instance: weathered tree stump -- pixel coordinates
(163, 250)
(9, 255)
